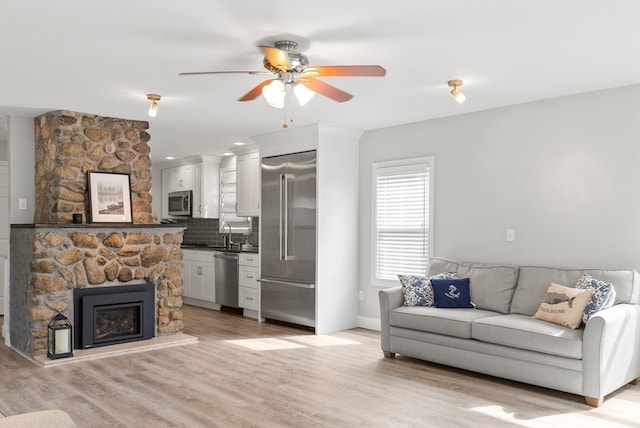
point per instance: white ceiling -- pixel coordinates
(103, 57)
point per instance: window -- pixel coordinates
(402, 219)
(228, 204)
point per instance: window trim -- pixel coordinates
(400, 164)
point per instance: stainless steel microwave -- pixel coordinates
(180, 203)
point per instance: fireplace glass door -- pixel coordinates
(115, 322)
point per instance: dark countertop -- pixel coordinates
(205, 247)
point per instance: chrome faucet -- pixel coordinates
(228, 244)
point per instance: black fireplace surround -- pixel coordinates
(116, 314)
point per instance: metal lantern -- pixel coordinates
(60, 338)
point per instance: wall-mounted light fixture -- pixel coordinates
(455, 93)
(153, 108)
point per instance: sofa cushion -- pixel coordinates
(604, 294)
(534, 280)
(524, 332)
(451, 293)
(564, 305)
(449, 322)
(417, 290)
(491, 285)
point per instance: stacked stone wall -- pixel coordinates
(70, 144)
(61, 259)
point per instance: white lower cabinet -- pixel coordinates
(248, 298)
(198, 275)
(248, 285)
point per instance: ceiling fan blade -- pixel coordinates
(345, 70)
(325, 89)
(191, 73)
(255, 92)
(278, 58)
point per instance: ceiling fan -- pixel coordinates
(291, 68)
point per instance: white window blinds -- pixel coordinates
(401, 218)
(228, 204)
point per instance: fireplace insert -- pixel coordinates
(115, 314)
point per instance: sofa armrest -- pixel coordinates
(390, 298)
(42, 418)
(611, 350)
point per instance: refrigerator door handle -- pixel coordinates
(293, 284)
(284, 215)
(281, 218)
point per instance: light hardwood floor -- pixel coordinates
(246, 374)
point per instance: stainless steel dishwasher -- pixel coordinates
(226, 274)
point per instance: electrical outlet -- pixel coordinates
(361, 295)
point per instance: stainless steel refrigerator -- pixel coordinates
(288, 244)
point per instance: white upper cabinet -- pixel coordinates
(206, 196)
(182, 178)
(200, 174)
(248, 185)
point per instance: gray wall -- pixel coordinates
(4, 138)
(21, 168)
(564, 173)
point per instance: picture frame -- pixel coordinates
(109, 197)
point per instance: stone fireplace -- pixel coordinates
(52, 258)
(70, 144)
(48, 262)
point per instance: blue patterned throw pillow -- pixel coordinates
(452, 293)
(602, 298)
(417, 290)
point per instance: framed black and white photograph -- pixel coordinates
(109, 198)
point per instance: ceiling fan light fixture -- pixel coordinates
(302, 93)
(455, 93)
(153, 108)
(274, 93)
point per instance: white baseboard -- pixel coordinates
(369, 323)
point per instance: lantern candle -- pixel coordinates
(62, 341)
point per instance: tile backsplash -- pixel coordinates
(205, 231)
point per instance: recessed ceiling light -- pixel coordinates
(239, 143)
(170, 157)
(227, 154)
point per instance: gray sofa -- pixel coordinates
(501, 338)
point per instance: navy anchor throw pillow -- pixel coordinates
(452, 293)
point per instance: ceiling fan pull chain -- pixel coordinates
(288, 103)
